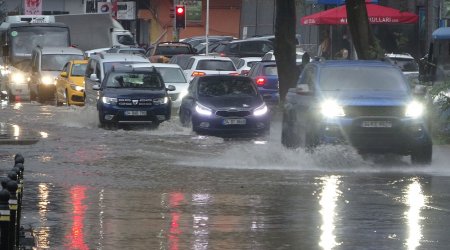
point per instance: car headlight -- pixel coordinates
(47, 80)
(76, 87)
(109, 100)
(159, 101)
(18, 77)
(331, 108)
(203, 110)
(261, 110)
(414, 109)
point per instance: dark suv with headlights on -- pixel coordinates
(133, 96)
(365, 103)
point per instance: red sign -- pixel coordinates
(33, 7)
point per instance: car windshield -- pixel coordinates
(24, 39)
(362, 79)
(125, 39)
(219, 65)
(78, 69)
(107, 66)
(171, 75)
(134, 80)
(405, 64)
(56, 62)
(172, 50)
(226, 86)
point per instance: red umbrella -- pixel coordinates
(377, 15)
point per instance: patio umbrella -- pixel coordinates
(377, 15)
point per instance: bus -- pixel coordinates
(18, 36)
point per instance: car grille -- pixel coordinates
(174, 97)
(134, 102)
(232, 113)
(358, 111)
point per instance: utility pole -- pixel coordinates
(175, 30)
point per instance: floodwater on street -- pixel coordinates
(91, 188)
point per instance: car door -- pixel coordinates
(188, 101)
(62, 82)
(305, 103)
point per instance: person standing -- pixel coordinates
(325, 46)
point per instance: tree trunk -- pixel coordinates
(285, 46)
(366, 46)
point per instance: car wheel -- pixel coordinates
(422, 155)
(66, 96)
(101, 120)
(289, 137)
(57, 102)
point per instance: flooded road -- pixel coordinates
(90, 188)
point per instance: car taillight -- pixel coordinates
(234, 73)
(222, 54)
(198, 73)
(260, 81)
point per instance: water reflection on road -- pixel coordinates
(89, 188)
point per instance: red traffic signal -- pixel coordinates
(180, 16)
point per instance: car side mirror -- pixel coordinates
(63, 74)
(94, 78)
(170, 88)
(96, 87)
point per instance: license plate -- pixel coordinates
(234, 121)
(135, 113)
(376, 124)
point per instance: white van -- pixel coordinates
(46, 64)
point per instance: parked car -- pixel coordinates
(133, 96)
(224, 105)
(368, 104)
(244, 64)
(46, 64)
(209, 65)
(195, 40)
(100, 64)
(172, 74)
(163, 51)
(265, 75)
(244, 48)
(70, 83)
(407, 64)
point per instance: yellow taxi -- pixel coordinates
(70, 84)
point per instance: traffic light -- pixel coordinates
(180, 16)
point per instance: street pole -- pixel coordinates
(175, 29)
(207, 26)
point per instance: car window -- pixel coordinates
(405, 64)
(107, 66)
(250, 64)
(254, 69)
(240, 63)
(234, 48)
(171, 75)
(90, 68)
(78, 69)
(225, 87)
(215, 65)
(134, 80)
(190, 63)
(66, 68)
(55, 62)
(308, 77)
(362, 79)
(172, 50)
(270, 70)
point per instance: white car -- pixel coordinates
(406, 63)
(172, 74)
(209, 65)
(270, 56)
(244, 64)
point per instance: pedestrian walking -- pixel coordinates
(325, 46)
